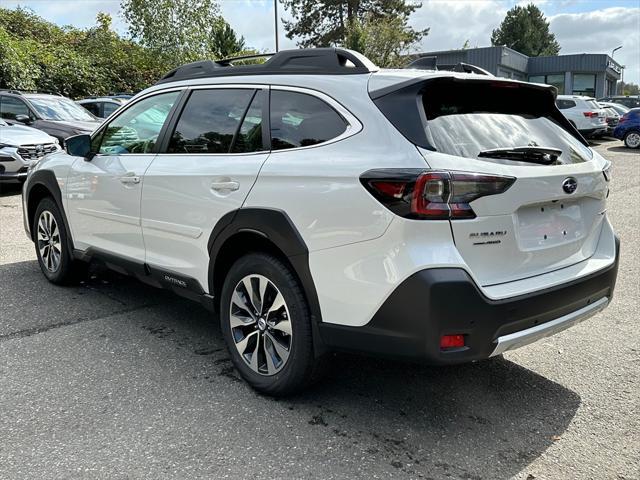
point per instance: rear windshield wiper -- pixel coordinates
(541, 155)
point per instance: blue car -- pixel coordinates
(628, 128)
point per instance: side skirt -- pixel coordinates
(179, 284)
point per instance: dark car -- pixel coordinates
(56, 115)
(102, 107)
(630, 101)
(628, 128)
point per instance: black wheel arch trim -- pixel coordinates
(48, 180)
(276, 226)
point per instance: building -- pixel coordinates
(592, 74)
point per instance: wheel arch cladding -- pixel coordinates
(261, 229)
(44, 183)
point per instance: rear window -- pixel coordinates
(466, 119)
(593, 104)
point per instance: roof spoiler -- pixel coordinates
(430, 63)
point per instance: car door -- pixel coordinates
(206, 169)
(103, 193)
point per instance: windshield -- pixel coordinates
(621, 109)
(60, 108)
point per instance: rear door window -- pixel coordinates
(11, 107)
(210, 121)
(108, 108)
(301, 120)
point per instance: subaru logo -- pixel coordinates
(570, 185)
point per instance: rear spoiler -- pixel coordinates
(402, 103)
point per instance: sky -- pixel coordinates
(581, 26)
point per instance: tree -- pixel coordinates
(628, 88)
(325, 23)
(178, 30)
(385, 41)
(526, 30)
(223, 41)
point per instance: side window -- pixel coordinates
(92, 107)
(137, 128)
(300, 120)
(108, 108)
(11, 107)
(564, 104)
(210, 120)
(249, 137)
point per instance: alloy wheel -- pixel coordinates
(49, 244)
(633, 140)
(260, 324)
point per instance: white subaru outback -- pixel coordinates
(319, 203)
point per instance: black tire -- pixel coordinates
(68, 270)
(628, 136)
(300, 366)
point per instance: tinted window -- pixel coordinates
(92, 107)
(137, 128)
(564, 104)
(60, 108)
(249, 137)
(10, 107)
(300, 120)
(109, 108)
(210, 120)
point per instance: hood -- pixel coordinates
(81, 127)
(16, 135)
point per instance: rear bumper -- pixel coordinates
(446, 301)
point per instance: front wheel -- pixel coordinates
(267, 325)
(632, 139)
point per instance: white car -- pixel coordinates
(319, 203)
(584, 113)
(19, 147)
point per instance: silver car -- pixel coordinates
(19, 147)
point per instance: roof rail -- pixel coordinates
(310, 61)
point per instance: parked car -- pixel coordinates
(619, 108)
(405, 213)
(630, 101)
(102, 107)
(58, 116)
(19, 147)
(612, 117)
(584, 113)
(628, 128)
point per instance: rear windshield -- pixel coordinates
(472, 118)
(593, 104)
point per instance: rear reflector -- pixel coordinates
(432, 195)
(451, 341)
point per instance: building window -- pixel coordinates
(584, 84)
(556, 80)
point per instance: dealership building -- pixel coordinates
(591, 74)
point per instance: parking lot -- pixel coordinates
(115, 379)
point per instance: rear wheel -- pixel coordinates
(267, 326)
(632, 139)
(54, 257)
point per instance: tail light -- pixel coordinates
(623, 119)
(432, 195)
(590, 114)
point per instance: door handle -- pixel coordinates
(130, 178)
(228, 185)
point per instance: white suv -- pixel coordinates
(584, 113)
(319, 203)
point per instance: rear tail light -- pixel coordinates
(451, 341)
(590, 114)
(432, 195)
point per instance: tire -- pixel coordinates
(267, 286)
(52, 245)
(632, 139)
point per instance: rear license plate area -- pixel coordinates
(549, 225)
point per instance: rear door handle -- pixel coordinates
(129, 178)
(228, 185)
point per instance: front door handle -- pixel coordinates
(230, 185)
(130, 178)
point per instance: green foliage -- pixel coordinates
(628, 88)
(384, 40)
(526, 30)
(177, 30)
(223, 41)
(337, 22)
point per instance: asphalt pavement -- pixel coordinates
(115, 379)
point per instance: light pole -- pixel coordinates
(615, 50)
(275, 21)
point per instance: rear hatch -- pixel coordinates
(551, 215)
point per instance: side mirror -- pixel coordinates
(79, 146)
(26, 119)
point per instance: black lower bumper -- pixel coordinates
(446, 301)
